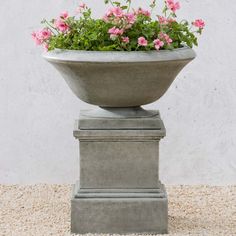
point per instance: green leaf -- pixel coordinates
(117, 3)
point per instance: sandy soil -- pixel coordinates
(45, 210)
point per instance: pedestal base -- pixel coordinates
(119, 191)
(120, 212)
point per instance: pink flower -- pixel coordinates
(61, 25)
(44, 34)
(158, 44)
(165, 37)
(36, 39)
(171, 20)
(142, 41)
(144, 12)
(64, 15)
(125, 39)
(163, 20)
(172, 5)
(81, 8)
(115, 32)
(41, 36)
(82, 5)
(131, 18)
(117, 12)
(109, 13)
(105, 18)
(199, 23)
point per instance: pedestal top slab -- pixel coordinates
(153, 122)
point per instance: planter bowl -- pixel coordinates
(119, 79)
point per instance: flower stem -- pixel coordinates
(111, 3)
(50, 25)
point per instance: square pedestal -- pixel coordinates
(119, 189)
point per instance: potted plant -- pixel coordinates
(120, 62)
(123, 60)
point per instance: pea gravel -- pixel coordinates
(45, 210)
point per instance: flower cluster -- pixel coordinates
(122, 28)
(172, 5)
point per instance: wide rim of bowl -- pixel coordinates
(82, 56)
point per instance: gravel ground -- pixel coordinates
(45, 210)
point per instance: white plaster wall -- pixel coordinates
(37, 110)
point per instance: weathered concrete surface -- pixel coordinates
(119, 157)
(119, 113)
(120, 79)
(119, 164)
(119, 189)
(119, 118)
(119, 215)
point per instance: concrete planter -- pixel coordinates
(119, 191)
(119, 79)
